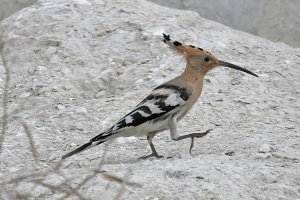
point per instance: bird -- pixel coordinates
(168, 103)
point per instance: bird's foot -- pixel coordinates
(149, 156)
(193, 136)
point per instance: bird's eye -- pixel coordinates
(206, 59)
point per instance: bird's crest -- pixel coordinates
(181, 48)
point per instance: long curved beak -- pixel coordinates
(227, 64)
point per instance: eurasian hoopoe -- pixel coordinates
(166, 104)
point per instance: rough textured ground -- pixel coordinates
(77, 66)
(8, 7)
(276, 20)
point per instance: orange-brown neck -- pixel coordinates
(192, 75)
(194, 79)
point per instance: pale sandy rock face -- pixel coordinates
(78, 66)
(281, 22)
(275, 20)
(8, 7)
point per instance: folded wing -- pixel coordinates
(161, 101)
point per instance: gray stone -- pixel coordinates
(116, 47)
(8, 7)
(276, 20)
(264, 148)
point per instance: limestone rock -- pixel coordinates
(260, 17)
(81, 48)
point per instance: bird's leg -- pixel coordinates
(174, 133)
(173, 128)
(193, 136)
(154, 153)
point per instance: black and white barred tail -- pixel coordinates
(93, 142)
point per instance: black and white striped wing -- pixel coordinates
(161, 101)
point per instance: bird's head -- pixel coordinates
(199, 59)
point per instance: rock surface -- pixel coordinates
(8, 7)
(77, 66)
(276, 20)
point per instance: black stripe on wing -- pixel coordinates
(152, 107)
(182, 91)
(145, 110)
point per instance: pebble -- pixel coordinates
(150, 198)
(264, 155)
(139, 81)
(124, 140)
(221, 44)
(50, 51)
(13, 169)
(70, 146)
(230, 153)
(31, 70)
(265, 148)
(264, 75)
(82, 2)
(83, 164)
(66, 71)
(60, 107)
(41, 68)
(81, 110)
(100, 94)
(52, 157)
(24, 95)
